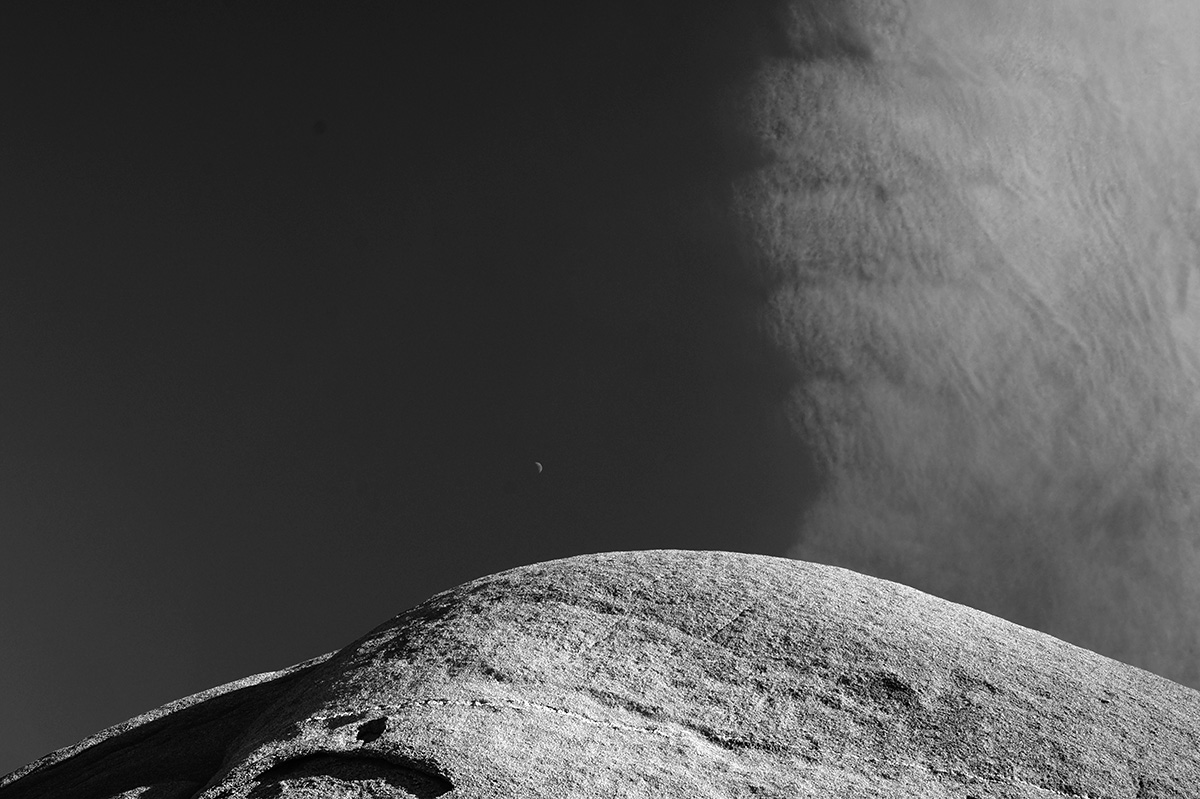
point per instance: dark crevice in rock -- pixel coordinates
(372, 730)
(491, 671)
(334, 774)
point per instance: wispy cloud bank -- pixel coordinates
(978, 223)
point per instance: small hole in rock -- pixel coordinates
(372, 730)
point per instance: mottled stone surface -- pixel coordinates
(664, 673)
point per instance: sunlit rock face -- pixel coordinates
(663, 673)
(979, 226)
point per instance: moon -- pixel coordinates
(537, 467)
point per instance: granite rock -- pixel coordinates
(663, 673)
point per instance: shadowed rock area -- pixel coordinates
(663, 673)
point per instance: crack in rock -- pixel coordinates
(329, 775)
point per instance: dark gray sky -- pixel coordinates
(290, 302)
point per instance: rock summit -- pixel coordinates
(662, 673)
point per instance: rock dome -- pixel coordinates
(662, 673)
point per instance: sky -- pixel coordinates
(292, 301)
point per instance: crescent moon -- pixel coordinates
(538, 467)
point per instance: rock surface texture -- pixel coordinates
(663, 673)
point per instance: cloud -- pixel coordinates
(979, 229)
